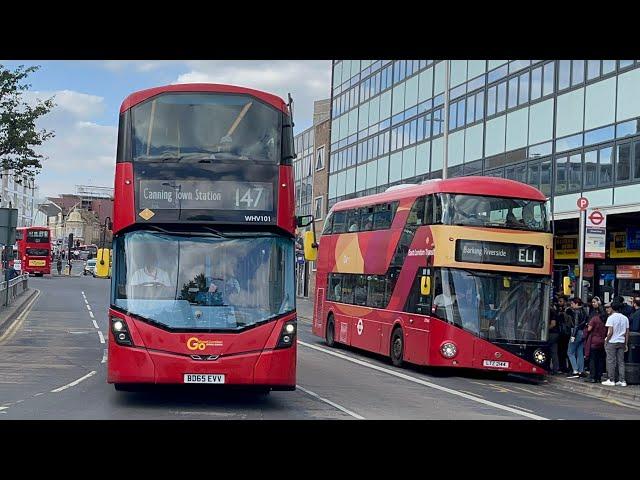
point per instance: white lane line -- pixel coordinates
(86, 301)
(75, 382)
(425, 383)
(522, 408)
(101, 336)
(37, 394)
(88, 307)
(91, 315)
(18, 323)
(339, 407)
(83, 294)
(3, 408)
(95, 324)
(104, 356)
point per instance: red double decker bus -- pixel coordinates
(453, 273)
(203, 251)
(34, 250)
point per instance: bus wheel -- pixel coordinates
(330, 334)
(397, 347)
(124, 387)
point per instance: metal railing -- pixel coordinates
(17, 286)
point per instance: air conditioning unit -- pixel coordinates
(399, 187)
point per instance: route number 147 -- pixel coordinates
(249, 200)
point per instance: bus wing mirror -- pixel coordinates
(310, 247)
(304, 220)
(425, 285)
(566, 285)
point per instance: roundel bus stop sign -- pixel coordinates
(583, 203)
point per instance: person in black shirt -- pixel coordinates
(554, 334)
(626, 310)
(564, 323)
(576, 341)
(634, 319)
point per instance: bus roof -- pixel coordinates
(139, 97)
(489, 186)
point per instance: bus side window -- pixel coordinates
(428, 210)
(353, 220)
(339, 220)
(382, 217)
(328, 224)
(360, 297)
(348, 284)
(375, 291)
(366, 219)
(416, 215)
(334, 292)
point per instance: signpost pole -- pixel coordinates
(583, 215)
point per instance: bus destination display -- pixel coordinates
(205, 195)
(499, 253)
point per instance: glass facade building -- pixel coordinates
(567, 127)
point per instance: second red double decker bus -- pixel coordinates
(452, 273)
(34, 250)
(203, 251)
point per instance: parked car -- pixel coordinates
(90, 267)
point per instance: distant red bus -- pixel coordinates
(453, 273)
(34, 250)
(203, 286)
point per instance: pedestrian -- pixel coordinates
(576, 341)
(565, 324)
(596, 308)
(594, 347)
(616, 344)
(554, 334)
(634, 320)
(626, 309)
(59, 265)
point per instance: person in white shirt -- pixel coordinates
(150, 273)
(616, 344)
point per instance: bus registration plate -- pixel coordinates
(495, 364)
(203, 378)
(37, 263)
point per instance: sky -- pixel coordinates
(88, 94)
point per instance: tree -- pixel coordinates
(18, 133)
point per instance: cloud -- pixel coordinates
(80, 105)
(82, 151)
(307, 81)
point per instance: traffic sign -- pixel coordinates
(583, 203)
(596, 217)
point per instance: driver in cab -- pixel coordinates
(150, 274)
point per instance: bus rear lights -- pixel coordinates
(288, 334)
(539, 356)
(448, 350)
(120, 332)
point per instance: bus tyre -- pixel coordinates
(397, 347)
(124, 387)
(330, 333)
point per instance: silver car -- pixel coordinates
(90, 267)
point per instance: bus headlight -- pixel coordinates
(539, 356)
(287, 334)
(448, 350)
(121, 332)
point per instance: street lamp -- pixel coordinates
(445, 163)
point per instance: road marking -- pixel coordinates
(472, 393)
(95, 324)
(18, 323)
(88, 307)
(521, 408)
(38, 394)
(104, 356)
(425, 383)
(75, 382)
(82, 293)
(86, 301)
(540, 394)
(339, 407)
(3, 408)
(101, 336)
(91, 315)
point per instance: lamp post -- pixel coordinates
(445, 162)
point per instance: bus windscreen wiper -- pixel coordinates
(175, 157)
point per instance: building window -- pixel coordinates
(320, 158)
(317, 208)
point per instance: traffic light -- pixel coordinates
(70, 240)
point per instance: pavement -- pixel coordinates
(53, 366)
